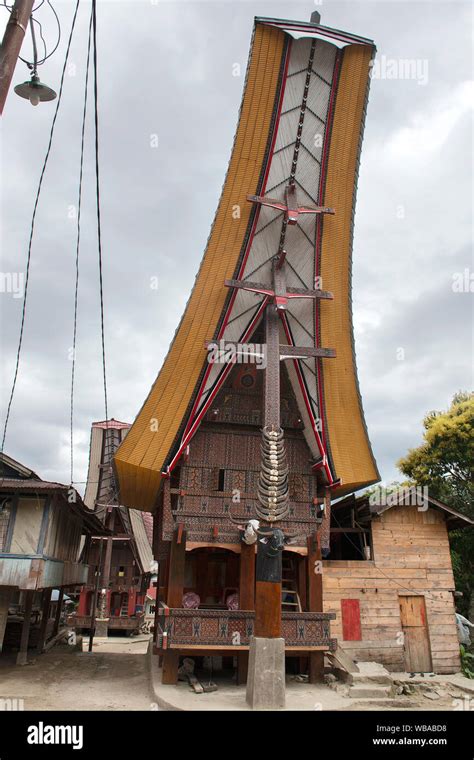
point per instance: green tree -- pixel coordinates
(445, 463)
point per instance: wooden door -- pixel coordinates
(416, 638)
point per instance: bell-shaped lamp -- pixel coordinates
(35, 91)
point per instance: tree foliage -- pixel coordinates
(445, 463)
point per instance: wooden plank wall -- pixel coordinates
(411, 555)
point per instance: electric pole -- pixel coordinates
(11, 44)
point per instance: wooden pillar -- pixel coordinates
(315, 601)
(57, 619)
(22, 656)
(44, 619)
(84, 602)
(108, 553)
(5, 598)
(132, 601)
(303, 595)
(175, 598)
(246, 600)
(303, 582)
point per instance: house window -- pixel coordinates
(4, 521)
(221, 480)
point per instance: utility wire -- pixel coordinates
(31, 64)
(78, 241)
(97, 186)
(38, 192)
(41, 36)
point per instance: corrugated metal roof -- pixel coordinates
(31, 484)
(18, 466)
(93, 473)
(141, 539)
(148, 522)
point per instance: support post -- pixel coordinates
(5, 597)
(46, 601)
(266, 671)
(315, 601)
(175, 599)
(246, 600)
(11, 44)
(57, 618)
(22, 656)
(303, 594)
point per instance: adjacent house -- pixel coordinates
(113, 595)
(44, 527)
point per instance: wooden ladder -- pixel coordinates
(290, 600)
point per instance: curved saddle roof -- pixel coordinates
(301, 120)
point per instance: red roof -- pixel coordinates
(106, 424)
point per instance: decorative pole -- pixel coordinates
(266, 674)
(266, 668)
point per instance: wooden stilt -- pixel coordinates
(5, 597)
(22, 656)
(315, 602)
(44, 619)
(175, 598)
(246, 600)
(57, 618)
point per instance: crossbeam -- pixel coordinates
(290, 207)
(265, 290)
(259, 350)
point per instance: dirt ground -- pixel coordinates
(113, 677)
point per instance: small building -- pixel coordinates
(44, 526)
(389, 580)
(122, 562)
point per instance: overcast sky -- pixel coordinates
(166, 70)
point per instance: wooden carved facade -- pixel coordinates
(219, 476)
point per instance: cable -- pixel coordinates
(38, 192)
(78, 240)
(32, 64)
(41, 36)
(97, 187)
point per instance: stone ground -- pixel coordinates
(116, 676)
(113, 677)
